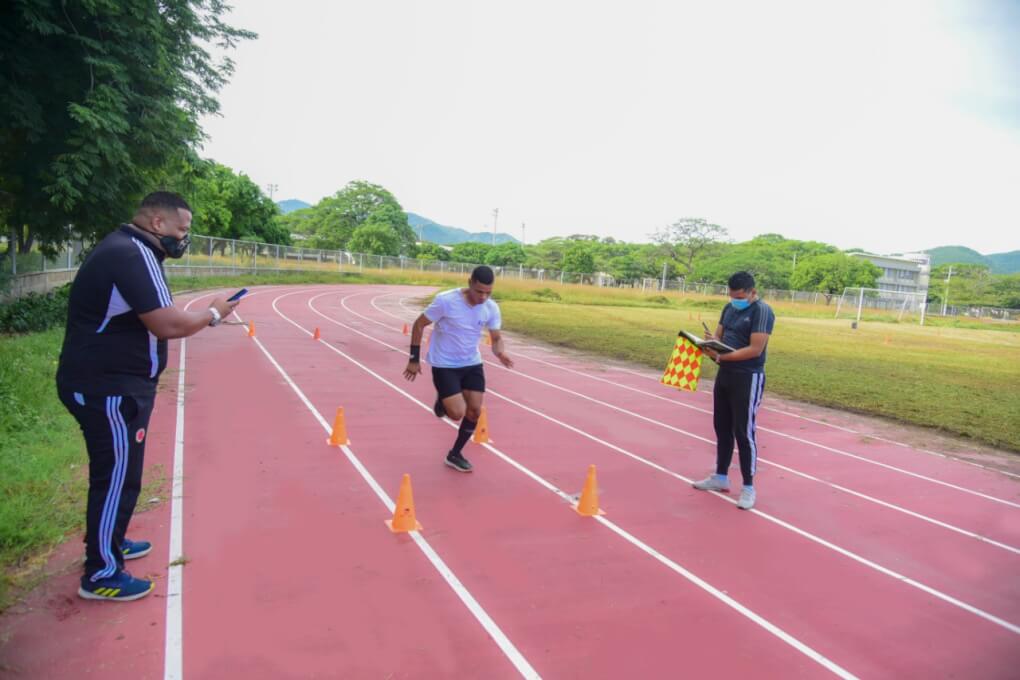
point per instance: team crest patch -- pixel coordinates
(140, 435)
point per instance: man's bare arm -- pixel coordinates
(168, 323)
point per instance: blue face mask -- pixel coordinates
(740, 304)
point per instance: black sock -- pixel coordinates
(467, 428)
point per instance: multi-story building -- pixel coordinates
(903, 272)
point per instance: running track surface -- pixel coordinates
(864, 558)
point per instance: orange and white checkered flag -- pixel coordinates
(684, 367)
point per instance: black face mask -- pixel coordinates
(174, 248)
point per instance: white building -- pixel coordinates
(902, 272)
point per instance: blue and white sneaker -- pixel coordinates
(132, 550)
(121, 587)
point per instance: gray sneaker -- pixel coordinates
(712, 483)
(746, 501)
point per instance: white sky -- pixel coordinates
(888, 125)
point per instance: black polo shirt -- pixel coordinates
(738, 324)
(107, 349)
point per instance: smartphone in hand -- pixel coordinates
(238, 295)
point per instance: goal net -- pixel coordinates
(874, 304)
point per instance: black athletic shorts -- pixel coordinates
(451, 381)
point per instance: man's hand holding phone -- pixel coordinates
(225, 306)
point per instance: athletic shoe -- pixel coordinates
(438, 408)
(121, 587)
(746, 501)
(134, 549)
(712, 483)
(458, 462)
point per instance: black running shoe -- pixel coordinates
(458, 462)
(438, 408)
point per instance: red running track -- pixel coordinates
(904, 568)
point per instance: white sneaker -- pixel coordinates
(746, 501)
(712, 483)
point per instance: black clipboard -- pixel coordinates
(701, 343)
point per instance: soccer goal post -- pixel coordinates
(879, 304)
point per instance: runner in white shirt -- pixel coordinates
(460, 316)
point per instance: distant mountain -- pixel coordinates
(999, 263)
(427, 230)
(1005, 263)
(292, 204)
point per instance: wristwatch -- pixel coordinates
(216, 318)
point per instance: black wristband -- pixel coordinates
(416, 353)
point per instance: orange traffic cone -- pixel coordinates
(481, 435)
(339, 435)
(317, 335)
(406, 330)
(403, 514)
(251, 329)
(588, 504)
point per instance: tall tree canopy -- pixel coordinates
(98, 97)
(333, 221)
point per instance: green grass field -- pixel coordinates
(961, 381)
(42, 459)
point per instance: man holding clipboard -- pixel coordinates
(745, 326)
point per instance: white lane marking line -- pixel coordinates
(718, 594)
(857, 558)
(764, 408)
(504, 643)
(843, 489)
(173, 650)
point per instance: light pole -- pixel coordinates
(523, 240)
(271, 188)
(945, 300)
(495, 217)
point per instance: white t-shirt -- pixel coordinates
(459, 326)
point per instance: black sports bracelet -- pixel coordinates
(416, 353)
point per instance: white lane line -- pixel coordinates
(764, 408)
(715, 592)
(494, 631)
(173, 649)
(658, 423)
(816, 539)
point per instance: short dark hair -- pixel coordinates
(483, 275)
(741, 281)
(165, 200)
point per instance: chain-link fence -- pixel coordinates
(209, 256)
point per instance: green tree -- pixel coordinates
(687, 239)
(432, 251)
(375, 239)
(230, 205)
(971, 284)
(1007, 290)
(98, 97)
(830, 273)
(471, 252)
(509, 254)
(769, 257)
(579, 258)
(334, 220)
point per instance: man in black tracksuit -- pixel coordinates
(746, 324)
(120, 315)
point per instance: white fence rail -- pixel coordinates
(218, 256)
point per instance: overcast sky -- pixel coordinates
(889, 125)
